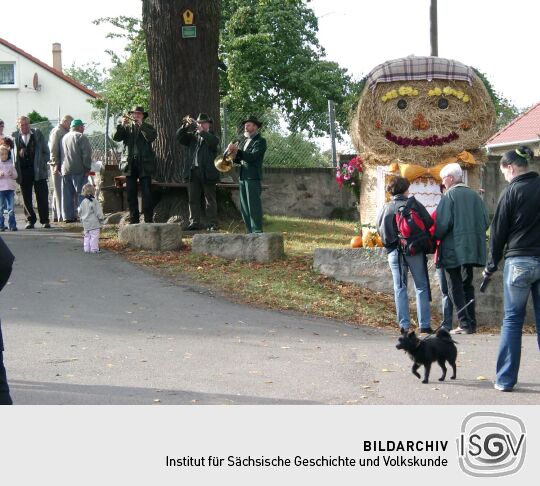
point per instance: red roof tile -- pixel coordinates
(60, 74)
(522, 128)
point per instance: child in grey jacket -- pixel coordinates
(91, 216)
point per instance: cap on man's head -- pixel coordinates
(203, 117)
(252, 119)
(76, 123)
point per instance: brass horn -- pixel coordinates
(224, 163)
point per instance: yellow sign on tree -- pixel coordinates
(188, 17)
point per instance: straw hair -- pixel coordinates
(88, 190)
(440, 133)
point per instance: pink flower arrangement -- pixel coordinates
(349, 173)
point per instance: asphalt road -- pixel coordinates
(95, 329)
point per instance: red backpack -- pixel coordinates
(414, 237)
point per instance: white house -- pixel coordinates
(28, 84)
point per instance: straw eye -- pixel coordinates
(442, 103)
(402, 104)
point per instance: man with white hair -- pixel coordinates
(57, 154)
(461, 225)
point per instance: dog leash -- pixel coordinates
(457, 313)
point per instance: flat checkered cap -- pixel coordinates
(416, 68)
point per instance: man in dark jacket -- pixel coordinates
(460, 225)
(200, 170)
(138, 161)
(515, 232)
(6, 264)
(31, 158)
(250, 156)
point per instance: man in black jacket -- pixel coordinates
(6, 264)
(515, 232)
(138, 161)
(200, 171)
(31, 158)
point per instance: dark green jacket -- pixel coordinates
(207, 144)
(461, 224)
(251, 159)
(143, 140)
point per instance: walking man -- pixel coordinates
(31, 157)
(201, 171)
(515, 233)
(250, 156)
(460, 225)
(76, 165)
(55, 147)
(138, 161)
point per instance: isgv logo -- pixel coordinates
(491, 444)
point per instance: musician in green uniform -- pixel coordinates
(249, 154)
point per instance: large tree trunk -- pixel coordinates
(183, 74)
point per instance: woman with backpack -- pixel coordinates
(403, 225)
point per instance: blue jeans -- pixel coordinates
(447, 306)
(72, 185)
(416, 264)
(6, 203)
(521, 278)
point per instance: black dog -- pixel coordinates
(439, 347)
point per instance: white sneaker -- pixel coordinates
(501, 388)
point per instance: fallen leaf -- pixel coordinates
(481, 378)
(384, 370)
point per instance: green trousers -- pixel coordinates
(251, 205)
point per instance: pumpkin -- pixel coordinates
(379, 241)
(356, 242)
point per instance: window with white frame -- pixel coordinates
(7, 74)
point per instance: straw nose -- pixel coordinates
(419, 122)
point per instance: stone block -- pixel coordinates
(368, 268)
(256, 247)
(152, 236)
(115, 218)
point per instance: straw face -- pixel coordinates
(422, 122)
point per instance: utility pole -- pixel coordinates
(434, 37)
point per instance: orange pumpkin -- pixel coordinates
(356, 242)
(379, 241)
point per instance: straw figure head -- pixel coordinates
(422, 110)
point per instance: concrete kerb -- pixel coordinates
(256, 247)
(152, 236)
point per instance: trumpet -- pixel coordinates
(224, 163)
(129, 117)
(189, 120)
